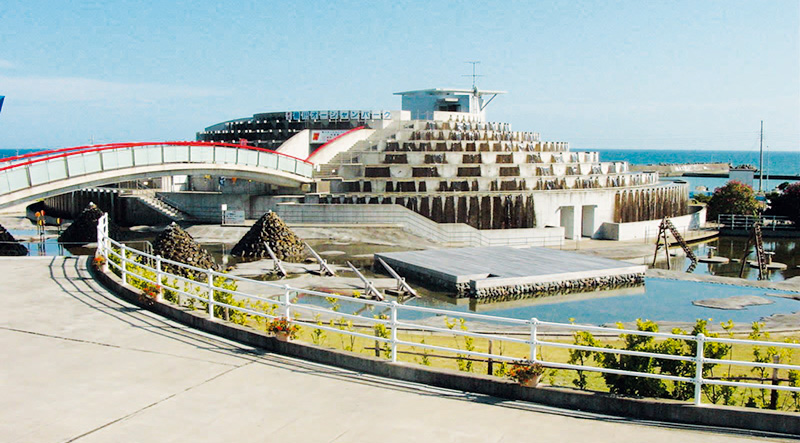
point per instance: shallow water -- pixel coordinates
(787, 251)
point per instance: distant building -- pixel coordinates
(441, 158)
(743, 174)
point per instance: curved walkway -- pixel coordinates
(81, 365)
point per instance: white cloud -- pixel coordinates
(33, 90)
(5, 64)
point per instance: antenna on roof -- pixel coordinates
(474, 74)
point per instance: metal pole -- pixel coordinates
(122, 262)
(534, 340)
(394, 331)
(210, 284)
(698, 372)
(285, 301)
(160, 293)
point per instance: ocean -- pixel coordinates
(775, 163)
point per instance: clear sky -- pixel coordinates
(598, 74)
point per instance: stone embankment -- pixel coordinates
(679, 169)
(534, 290)
(270, 229)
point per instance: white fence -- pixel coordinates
(26, 173)
(204, 289)
(746, 222)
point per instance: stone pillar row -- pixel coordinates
(650, 204)
(479, 211)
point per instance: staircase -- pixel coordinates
(351, 156)
(163, 208)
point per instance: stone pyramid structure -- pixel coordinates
(9, 246)
(178, 245)
(270, 229)
(84, 229)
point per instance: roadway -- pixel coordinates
(81, 365)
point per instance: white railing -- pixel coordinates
(746, 222)
(26, 173)
(204, 288)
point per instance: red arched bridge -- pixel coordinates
(46, 173)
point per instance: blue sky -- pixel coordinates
(604, 74)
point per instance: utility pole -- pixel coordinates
(761, 158)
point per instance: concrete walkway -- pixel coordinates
(80, 365)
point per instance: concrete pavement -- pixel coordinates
(81, 365)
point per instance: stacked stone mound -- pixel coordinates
(84, 229)
(9, 245)
(271, 229)
(178, 245)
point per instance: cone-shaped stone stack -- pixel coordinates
(84, 229)
(9, 245)
(271, 229)
(178, 245)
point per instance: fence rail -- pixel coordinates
(205, 287)
(746, 222)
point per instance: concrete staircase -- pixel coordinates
(163, 208)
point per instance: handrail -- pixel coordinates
(66, 152)
(285, 306)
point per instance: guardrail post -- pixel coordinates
(393, 320)
(160, 293)
(123, 263)
(698, 372)
(285, 301)
(534, 327)
(210, 284)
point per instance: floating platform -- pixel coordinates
(502, 273)
(717, 260)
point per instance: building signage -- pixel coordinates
(338, 115)
(324, 135)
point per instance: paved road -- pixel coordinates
(80, 365)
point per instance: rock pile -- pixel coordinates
(9, 245)
(84, 229)
(178, 245)
(271, 229)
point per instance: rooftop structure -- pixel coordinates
(423, 103)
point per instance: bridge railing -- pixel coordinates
(25, 171)
(266, 301)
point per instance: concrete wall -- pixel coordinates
(207, 206)
(447, 233)
(649, 229)
(297, 146)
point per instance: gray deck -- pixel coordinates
(503, 266)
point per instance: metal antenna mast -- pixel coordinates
(474, 74)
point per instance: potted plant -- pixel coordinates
(98, 262)
(526, 372)
(282, 328)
